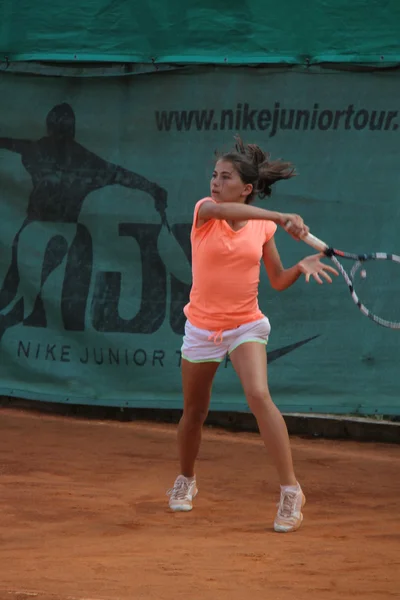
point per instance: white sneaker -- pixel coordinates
(289, 516)
(182, 494)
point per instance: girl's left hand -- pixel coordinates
(312, 266)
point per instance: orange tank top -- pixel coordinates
(226, 272)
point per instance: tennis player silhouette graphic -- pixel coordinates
(63, 173)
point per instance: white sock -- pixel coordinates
(290, 488)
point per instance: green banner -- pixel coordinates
(93, 283)
(245, 31)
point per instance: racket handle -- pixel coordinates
(315, 243)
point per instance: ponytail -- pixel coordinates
(254, 166)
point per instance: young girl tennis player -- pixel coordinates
(229, 237)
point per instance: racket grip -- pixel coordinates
(315, 243)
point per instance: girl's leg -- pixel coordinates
(250, 362)
(197, 381)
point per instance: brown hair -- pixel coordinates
(254, 166)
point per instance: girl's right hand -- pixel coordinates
(294, 225)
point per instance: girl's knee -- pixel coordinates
(259, 399)
(195, 416)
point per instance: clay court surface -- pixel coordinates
(83, 515)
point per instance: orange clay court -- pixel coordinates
(84, 515)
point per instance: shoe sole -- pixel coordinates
(279, 529)
(181, 508)
(184, 507)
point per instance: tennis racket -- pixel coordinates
(377, 278)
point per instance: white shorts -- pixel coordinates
(201, 345)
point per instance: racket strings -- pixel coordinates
(377, 286)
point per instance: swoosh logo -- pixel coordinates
(275, 354)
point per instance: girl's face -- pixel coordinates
(226, 184)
